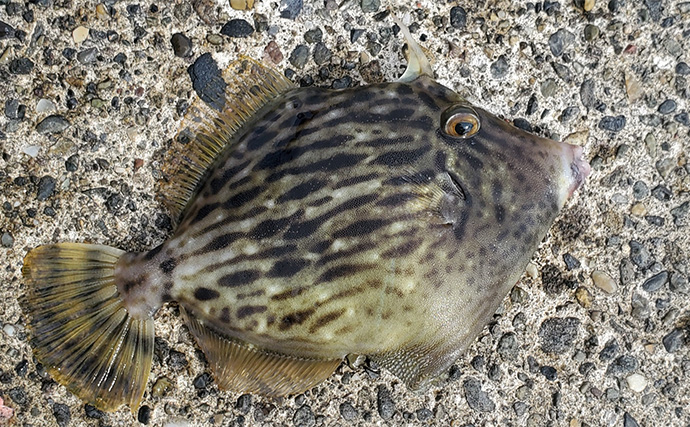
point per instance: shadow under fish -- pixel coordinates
(387, 220)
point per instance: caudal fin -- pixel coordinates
(80, 328)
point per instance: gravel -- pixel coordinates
(458, 17)
(237, 28)
(478, 399)
(558, 334)
(384, 402)
(182, 45)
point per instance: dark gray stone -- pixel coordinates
(181, 44)
(21, 66)
(384, 402)
(6, 31)
(321, 53)
(569, 113)
(46, 187)
(558, 334)
(424, 414)
(624, 364)
(640, 255)
(667, 107)
(674, 340)
(304, 417)
(560, 40)
(144, 414)
(290, 9)
(207, 81)
(683, 69)
(591, 32)
(478, 399)
(562, 71)
(587, 96)
(348, 412)
(629, 421)
(52, 124)
(244, 403)
(237, 28)
(370, 5)
(655, 282)
(7, 240)
(678, 282)
(500, 68)
(612, 124)
(655, 8)
(680, 213)
(316, 35)
(62, 414)
(571, 263)
(299, 56)
(88, 56)
(549, 372)
(356, 33)
(682, 118)
(640, 190)
(458, 17)
(508, 346)
(609, 351)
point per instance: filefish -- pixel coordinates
(387, 220)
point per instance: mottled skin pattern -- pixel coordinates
(349, 222)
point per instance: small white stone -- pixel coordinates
(80, 34)
(636, 382)
(10, 330)
(532, 270)
(604, 282)
(44, 106)
(31, 150)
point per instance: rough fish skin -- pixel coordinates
(349, 223)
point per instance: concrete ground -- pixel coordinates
(596, 333)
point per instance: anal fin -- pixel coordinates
(242, 367)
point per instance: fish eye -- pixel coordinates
(460, 122)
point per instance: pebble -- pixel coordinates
(591, 32)
(587, 96)
(7, 242)
(682, 68)
(458, 17)
(177, 360)
(144, 414)
(202, 381)
(87, 56)
(370, 5)
(237, 28)
(549, 87)
(384, 402)
(6, 31)
(609, 351)
(80, 34)
(207, 80)
(508, 346)
(347, 411)
(636, 382)
(667, 107)
(242, 4)
(62, 414)
(181, 44)
(500, 68)
(46, 187)
(549, 372)
(674, 340)
(290, 9)
(683, 118)
(640, 255)
(273, 51)
(356, 33)
(612, 124)
(21, 66)
(569, 113)
(638, 209)
(161, 387)
(477, 399)
(321, 53)
(640, 190)
(299, 56)
(588, 5)
(571, 263)
(584, 297)
(629, 421)
(655, 282)
(314, 35)
(92, 412)
(558, 334)
(52, 124)
(560, 40)
(622, 365)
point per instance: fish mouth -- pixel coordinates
(579, 168)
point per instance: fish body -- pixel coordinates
(387, 220)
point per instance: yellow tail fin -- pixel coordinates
(80, 328)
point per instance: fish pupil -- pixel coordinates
(463, 128)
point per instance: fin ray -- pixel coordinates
(241, 367)
(211, 126)
(80, 328)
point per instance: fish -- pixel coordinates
(388, 220)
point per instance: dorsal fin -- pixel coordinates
(211, 126)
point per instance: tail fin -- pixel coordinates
(80, 328)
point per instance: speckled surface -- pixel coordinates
(562, 350)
